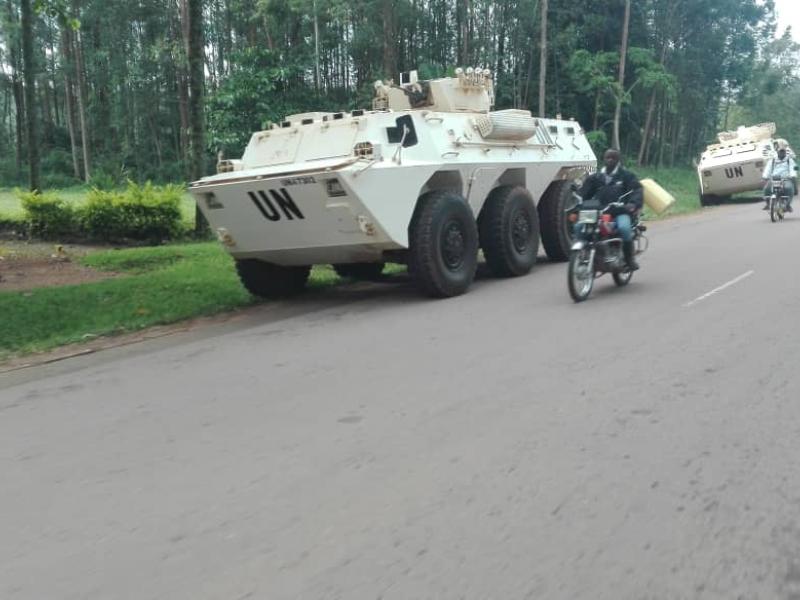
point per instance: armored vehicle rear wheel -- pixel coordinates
(556, 230)
(509, 231)
(271, 281)
(360, 271)
(443, 244)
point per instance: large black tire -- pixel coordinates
(508, 229)
(360, 271)
(267, 280)
(556, 229)
(443, 244)
(709, 199)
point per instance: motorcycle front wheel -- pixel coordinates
(580, 276)
(773, 209)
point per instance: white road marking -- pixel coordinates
(719, 289)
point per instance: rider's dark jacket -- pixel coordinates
(608, 188)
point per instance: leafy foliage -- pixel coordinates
(691, 64)
(47, 216)
(141, 212)
(260, 91)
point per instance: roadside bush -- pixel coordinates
(47, 216)
(57, 162)
(141, 212)
(109, 177)
(9, 175)
(59, 180)
(12, 227)
(598, 141)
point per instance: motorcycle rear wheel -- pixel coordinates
(622, 278)
(580, 275)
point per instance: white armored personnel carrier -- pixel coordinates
(736, 163)
(427, 177)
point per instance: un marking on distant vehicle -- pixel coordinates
(735, 172)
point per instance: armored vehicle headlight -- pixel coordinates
(211, 201)
(706, 173)
(334, 188)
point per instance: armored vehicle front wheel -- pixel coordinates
(271, 281)
(443, 244)
(709, 199)
(556, 229)
(509, 231)
(360, 271)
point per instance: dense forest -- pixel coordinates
(107, 90)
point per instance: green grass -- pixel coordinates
(160, 285)
(11, 207)
(681, 183)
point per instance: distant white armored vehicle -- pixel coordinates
(736, 163)
(427, 177)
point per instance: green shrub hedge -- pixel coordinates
(140, 212)
(47, 216)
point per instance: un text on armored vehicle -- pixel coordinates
(735, 164)
(428, 177)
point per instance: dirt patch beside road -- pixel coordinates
(26, 266)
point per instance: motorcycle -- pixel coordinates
(778, 199)
(598, 247)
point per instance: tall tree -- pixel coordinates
(196, 59)
(69, 95)
(29, 75)
(623, 57)
(80, 80)
(543, 60)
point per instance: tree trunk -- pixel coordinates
(182, 85)
(623, 57)
(649, 119)
(19, 100)
(673, 149)
(195, 56)
(69, 96)
(662, 135)
(646, 133)
(463, 33)
(316, 47)
(29, 76)
(389, 56)
(81, 82)
(596, 118)
(501, 46)
(543, 60)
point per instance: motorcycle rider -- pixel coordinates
(613, 183)
(782, 166)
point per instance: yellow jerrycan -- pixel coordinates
(656, 198)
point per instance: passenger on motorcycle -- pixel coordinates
(781, 167)
(611, 184)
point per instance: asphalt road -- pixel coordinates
(507, 444)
